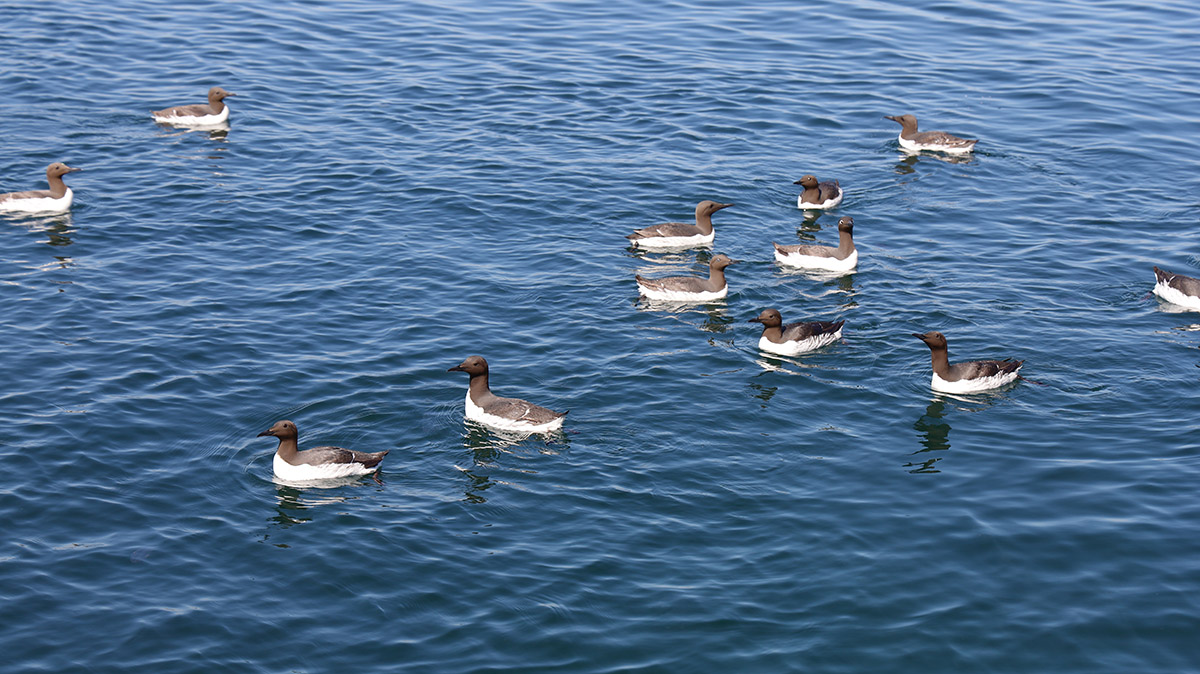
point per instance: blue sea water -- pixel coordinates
(403, 185)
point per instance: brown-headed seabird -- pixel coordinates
(818, 194)
(937, 141)
(508, 414)
(678, 235)
(57, 199)
(198, 114)
(318, 463)
(969, 377)
(689, 288)
(809, 256)
(795, 338)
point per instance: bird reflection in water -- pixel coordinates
(716, 315)
(716, 319)
(59, 230)
(935, 437)
(688, 256)
(908, 160)
(476, 485)
(809, 223)
(763, 393)
(485, 446)
(58, 227)
(289, 507)
(845, 286)
(219, 133)
(487, 443)
(216, 132)
(489, 446)
(295, 498)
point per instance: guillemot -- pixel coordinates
(689, 288)
(938, 141)
(968, 377)
(57, 199)
(198, 114)
(816, 194)
(509, 414)
(675, 235)
(318, 463)
(795, 338)
(808, 256)
(1177, 289)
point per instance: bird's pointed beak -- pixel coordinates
(73, 169)
(754, 320)
(919, 336)
(266, 432)
(456, 368)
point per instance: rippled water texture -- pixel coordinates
(402, 186)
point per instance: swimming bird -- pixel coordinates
(198, 114)
(969, 377)
(816, 194)
(938, 141)
(689, 288)
(1177, 289)
(319, 462)
(675, 235)
(57, 199)
(509, 414)
(795, 338)
(809, 256)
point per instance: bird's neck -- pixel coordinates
(845, 244)
(773, 333)
(217, 106)
(704, 222)
(941, 361)
(287, 449)
(478, 387)
(716, 278)
(58, 189)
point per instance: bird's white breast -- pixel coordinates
(828, 203)
(798, 346)
(674, 242)
(817, 261)
(914, 146)
(973, 385)
(325, 471)
(476, 413)
(1177, 297)
(39, 204)
(682, 296)
(193, 120)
